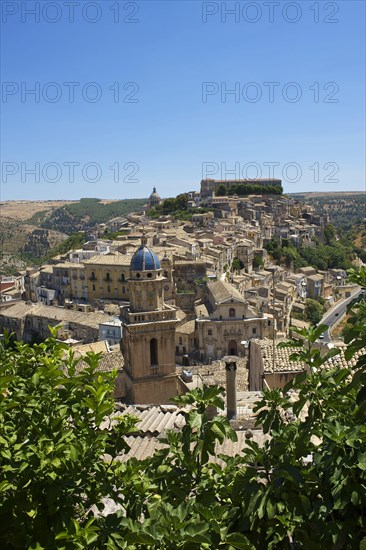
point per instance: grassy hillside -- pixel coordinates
(83, 215)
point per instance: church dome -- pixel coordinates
(144, 259)
(154, 195)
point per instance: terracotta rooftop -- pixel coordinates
(186, 328)
(22, 309)
(283, 362)
(109, 259)
(224, 292)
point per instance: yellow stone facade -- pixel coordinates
(106, 277)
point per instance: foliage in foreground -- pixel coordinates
(306, 488)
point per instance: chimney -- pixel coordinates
(230, 367)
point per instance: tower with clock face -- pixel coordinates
(169, 286)
(149, 324)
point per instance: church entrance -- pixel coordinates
(233, 348)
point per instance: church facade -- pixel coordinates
(224, 321)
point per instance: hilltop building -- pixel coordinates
(210, 186)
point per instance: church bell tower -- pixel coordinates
(148, 343)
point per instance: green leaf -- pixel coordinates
(362, 461)
(239, 541)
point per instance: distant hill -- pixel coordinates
(32, 230)
(84, 214)
(20, 241)
(345, 209)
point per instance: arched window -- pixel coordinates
(108, 276)
(231, 312)
(93, 275)
(153, 352)
(123, 277)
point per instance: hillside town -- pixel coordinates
(167, 301)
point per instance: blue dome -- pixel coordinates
(144, 259)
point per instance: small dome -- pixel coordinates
(144, 259)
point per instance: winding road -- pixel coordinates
(337, 311)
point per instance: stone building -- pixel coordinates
(148, 343)
(78, 283)
(224, 320)
(185, 339)
(31, 322)
(315, 286)
(203, 219)
(245, 253)
(111, 331)
(106, 277)
(210, 186)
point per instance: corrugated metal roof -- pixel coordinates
(144, 447)
(154, 421)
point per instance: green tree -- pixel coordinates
(313, 311)
(257, 261)
(237, 265)
(221, 190)
(52, 446)
(329, 234)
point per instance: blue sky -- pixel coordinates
(168, 127)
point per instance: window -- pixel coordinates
(254, 331)
(108, 288)
(93, 287)
(231, 312)
(153, 352)
(123, 277)
(93, 275)
(209, 332)
(108, 276)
